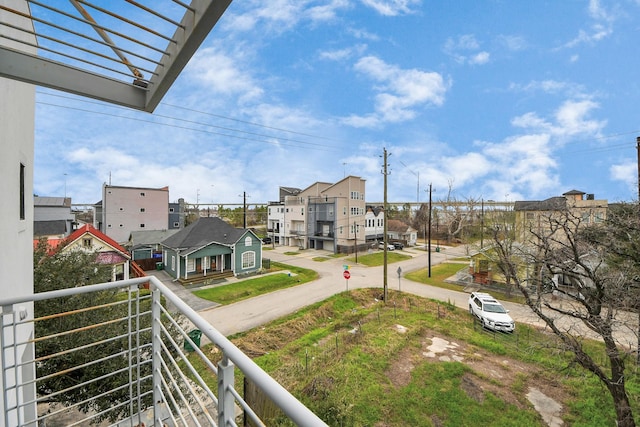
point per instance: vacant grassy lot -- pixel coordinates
(415, 362)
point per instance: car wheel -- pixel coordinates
(483, 324)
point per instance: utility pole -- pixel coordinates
(355, 239)
(429, 238)
(482, 224)
(385, 239)
(638, 160)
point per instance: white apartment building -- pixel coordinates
(127, 209)
(322, 216)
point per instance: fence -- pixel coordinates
(124, 359)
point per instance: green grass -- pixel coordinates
(439, 273)
(347, 378)
(228, 294)
(377, 258)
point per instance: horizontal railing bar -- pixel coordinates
(84, 365)
(43, 296)
(75, 349)
(172, 400)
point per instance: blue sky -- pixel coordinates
(501, 100)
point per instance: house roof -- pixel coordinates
(398, 226)
(550, 204)
(64, 202)
(150, 237)
(203, 232)
(49, 228)
(89, 229)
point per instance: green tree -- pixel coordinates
(83, 338)
(570, 276)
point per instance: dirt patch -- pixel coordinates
(509, 379)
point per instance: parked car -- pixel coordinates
(491, 313)
(398, 245)
(266, 240)
(390, 247)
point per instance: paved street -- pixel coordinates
(253, 312)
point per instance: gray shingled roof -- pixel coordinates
(203, 232)
(550, 204)
(49, 228)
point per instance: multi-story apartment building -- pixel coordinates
(127, 209)
(322, 216)
(532, 217)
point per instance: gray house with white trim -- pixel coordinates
(210, 247)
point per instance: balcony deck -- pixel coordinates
(146, 357)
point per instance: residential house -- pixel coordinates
(17, 118)
(108, 251)
(127, 209)
(276, 214)
(322, 216)
(54, 209)
(399, 231)
(374, 224)
(531, 217)
(211, 247)
(146, 248)
(176, 215)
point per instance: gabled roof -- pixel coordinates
(398, 226)
(203, 232)
(89, 229)
(150, 237)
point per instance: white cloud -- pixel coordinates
(513, 43)
(601, 28)
(479, 58)
(570, 119)
(465, 49)
(223, 74)
(391, 7)
(627, 172)
(399, 91)
(342, 54)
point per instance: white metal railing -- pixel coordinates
(141, 359)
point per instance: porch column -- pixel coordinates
(186, 266)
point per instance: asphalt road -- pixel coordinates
(253, 312)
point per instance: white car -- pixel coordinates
(390, 247)
(491, 313)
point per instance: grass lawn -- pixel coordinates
(355, 361)
(377, 258)
(227, 294)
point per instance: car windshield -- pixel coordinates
(494, 308)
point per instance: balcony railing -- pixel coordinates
(147, 351)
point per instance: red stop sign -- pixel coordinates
(346, 274)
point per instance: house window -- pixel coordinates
(141, 225)
(170, 210)
(175, 224)
(141, 209)
(340, 229)
(248, 260)
(529, 215)
(86, 243)
(23, 214)
(108, 225)
(142, 194)
(599, 217)
(191, 265)
(121, 209)
(344, 210)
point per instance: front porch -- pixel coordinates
(208, 277)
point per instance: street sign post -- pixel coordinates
(346, 274)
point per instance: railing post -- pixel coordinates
(226, 403)
(156, 332)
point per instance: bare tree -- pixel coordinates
(456, 213)
(565, 276)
